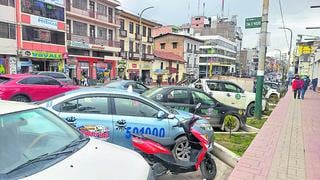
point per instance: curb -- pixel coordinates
(225, 155)
(250, 129)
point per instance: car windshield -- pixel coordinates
(30, 134)
(153, 92)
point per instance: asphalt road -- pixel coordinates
(223, 173)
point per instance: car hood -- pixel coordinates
(98, 160)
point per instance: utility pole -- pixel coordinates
(262, 56)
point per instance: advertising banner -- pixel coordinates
(44, 22)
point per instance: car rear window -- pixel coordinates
(55, 75)
(4, 80)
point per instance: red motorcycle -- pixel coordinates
(158, 152)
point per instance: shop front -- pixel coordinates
(133, 70)
(8, 64)
(40, 61)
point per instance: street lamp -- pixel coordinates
(140, 42)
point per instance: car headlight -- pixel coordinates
(150, 175)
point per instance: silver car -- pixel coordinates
(57, 75)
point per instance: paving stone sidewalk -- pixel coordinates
(288, 145)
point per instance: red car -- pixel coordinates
(27, 88)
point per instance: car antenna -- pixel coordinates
(130, 89)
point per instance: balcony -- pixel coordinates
(123, 33)
(138, 37)
(150, 39)
(134, 55)
(148, 57)
(94, 40)
(123, 54)
(189, 51)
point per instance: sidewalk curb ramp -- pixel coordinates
(225, 155)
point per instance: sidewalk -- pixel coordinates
(288, 145)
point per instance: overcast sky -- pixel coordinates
(297, 16)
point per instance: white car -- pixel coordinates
(271, 93)
(36, 144)
(230, 94)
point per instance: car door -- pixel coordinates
(215, 89)
(33, 87)
(234, 95)
(90, 114)
(207, 109)
(178, 99)
(132, 115)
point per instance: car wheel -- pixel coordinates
(250, 110)
(20, 98)
(182, 149)
(235, 125)
(273, 98)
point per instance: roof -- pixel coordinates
(169, 56)
(100, 90)
(118, 83)
(10, 107)
(181, 35)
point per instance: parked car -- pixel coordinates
(57, 75)
(186, 99)
(230, 94)
(124, 84)
(272, 94)
(27, 88)
(123, 113)
(36, 144)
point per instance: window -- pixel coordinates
(110, 14)
(122, 45)
(88, 105)
(214, 86)
(102, 33)
(40, 81)
(199, 97)
(50, 81)
(161, 66)
(80, 28)
(144, 31)
(149, 49)
(194, 48)
(54, 75)
(110, 34)
(174, 45)
(121, 24)
(131, 46)
(41, 35)
(137, 29)
(232, 88)
(102, 9)
(178, 96)
(30, 81)
(163, 45)
(144, 48)
(149, 32)
(137, 47)
(80, 4)
(131, 27)
(7, 2)
(7, 30)
(130, 107)
(40, 8)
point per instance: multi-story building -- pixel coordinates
(218, 56)
(131, 36)
(157, 31)
(40, 35)
(184, 46)
(93, 47)
(8, 40)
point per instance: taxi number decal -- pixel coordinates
(155, 131)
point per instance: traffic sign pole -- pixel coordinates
(262, 57)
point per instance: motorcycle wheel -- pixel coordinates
(208, 167)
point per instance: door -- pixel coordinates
(90, 115)
(207, 110)
(134, 116)
(234, 95)
(91, 9)
(215, 89)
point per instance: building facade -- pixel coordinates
(92, 39)
(217, 57)
(8, 38)
(131, 35)
(40, 31)
(184, 46)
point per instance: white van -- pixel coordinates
(230, 94)
(36, 144)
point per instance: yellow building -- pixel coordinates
(130, 34)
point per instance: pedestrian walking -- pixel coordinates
(169, 80)
(306, 82)
(296, 87)
(172, 80)
(158, 81)
(314, 84)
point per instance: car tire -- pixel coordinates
(237, 125)
(182, 149)
(273, 97)
(20, 98)
(250, 110)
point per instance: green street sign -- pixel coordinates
(254, 22)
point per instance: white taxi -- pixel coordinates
(230, 94)
(36, 144)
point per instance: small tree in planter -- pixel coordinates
(230, 122)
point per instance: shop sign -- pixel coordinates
(54, 2)
(78, 44)
(134, 66)
(146, 66)
(13, 65)
(41, 54)
(44, 22)
(97, 47)
(122, 62)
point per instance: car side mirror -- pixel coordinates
(161, 115)
(171, 116)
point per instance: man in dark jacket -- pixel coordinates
(306, 82)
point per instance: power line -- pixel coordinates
(283, 25)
